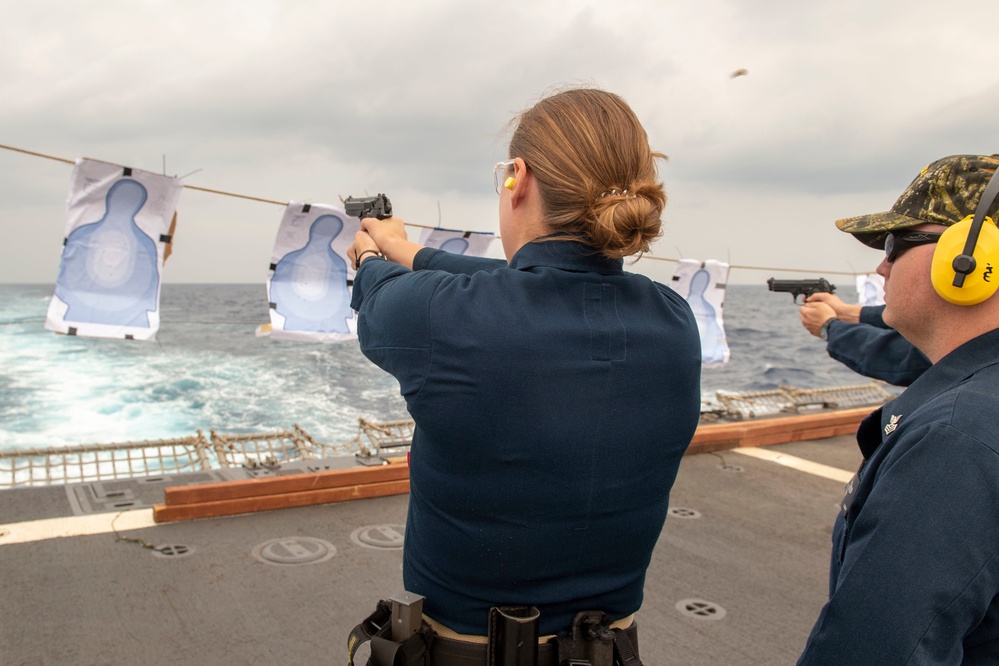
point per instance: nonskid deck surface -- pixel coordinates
(738, 577)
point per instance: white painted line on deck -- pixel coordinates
(794, 462)
(55, 528)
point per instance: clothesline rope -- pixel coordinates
(423, 226)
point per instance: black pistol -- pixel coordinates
(361, 207)
(801, 287)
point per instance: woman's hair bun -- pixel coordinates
(595, 170)
(626, 221)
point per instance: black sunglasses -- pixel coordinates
(896, 244)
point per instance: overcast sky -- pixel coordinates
(844, 102)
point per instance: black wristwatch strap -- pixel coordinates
(357, 260)
(824, 331)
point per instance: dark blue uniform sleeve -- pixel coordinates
(393, 324)
(394, 310)
(881, 353)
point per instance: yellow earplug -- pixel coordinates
(509, 182)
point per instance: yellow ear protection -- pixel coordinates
(509, 182)
(965, 268)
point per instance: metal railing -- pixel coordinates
(374, 440)
(123, 460)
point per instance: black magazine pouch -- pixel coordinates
(592, 642)
(513, 636)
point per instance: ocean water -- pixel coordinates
(208, 370)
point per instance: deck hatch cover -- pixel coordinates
(383, 537)
(123, 494)
(294, 551)
(683, 512)
(700, 609)
(172, 551)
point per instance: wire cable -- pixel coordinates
(424, 226)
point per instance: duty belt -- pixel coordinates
(400, 638)
(621, 648)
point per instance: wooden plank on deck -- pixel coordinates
(278, 485)
(163, 513)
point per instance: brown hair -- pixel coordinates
(595, 169)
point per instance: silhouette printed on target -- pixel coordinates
(109, 272)
(309, 286)
(712, 336)
(871, 295)
(455, 245)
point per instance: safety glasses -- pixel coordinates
(896, 244)
(499, 174)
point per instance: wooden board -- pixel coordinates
(227, 490)
(163, 513)
(778, 430)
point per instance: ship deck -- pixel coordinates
(738, 576)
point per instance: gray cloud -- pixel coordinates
(842, 104)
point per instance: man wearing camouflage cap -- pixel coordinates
(915, 563)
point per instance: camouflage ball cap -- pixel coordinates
(945, 192)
